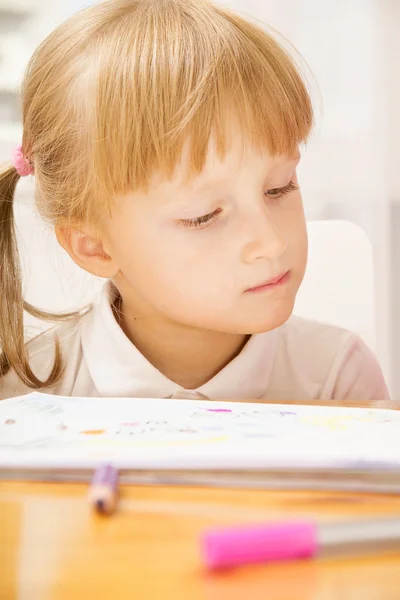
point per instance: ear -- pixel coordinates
(86, 249)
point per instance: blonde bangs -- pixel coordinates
(114, 94)
(177, 71)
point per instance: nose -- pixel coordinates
(264, 238)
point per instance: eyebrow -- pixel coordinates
(209, 185)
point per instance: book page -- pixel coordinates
(44, 430)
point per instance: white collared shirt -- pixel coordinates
(301, 360)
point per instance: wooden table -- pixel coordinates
(53, 548)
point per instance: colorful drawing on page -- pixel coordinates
(93, 423)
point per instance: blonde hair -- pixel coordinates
(113, 94)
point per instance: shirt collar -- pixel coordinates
(117, 368)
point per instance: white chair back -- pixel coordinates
(339, 284)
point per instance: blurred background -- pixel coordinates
(349, 168)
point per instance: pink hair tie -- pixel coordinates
(22, 165)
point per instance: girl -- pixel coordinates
(163, 136)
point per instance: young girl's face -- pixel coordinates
(225, 251)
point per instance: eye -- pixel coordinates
(277, 193)
(200, 221)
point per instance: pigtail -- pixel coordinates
(12, 305)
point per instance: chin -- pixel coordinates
(265, 322)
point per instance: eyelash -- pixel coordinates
(280, 192)
(210, 217)
(199, 221)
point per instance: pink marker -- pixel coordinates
(232, 547)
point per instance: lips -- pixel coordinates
(271, 283)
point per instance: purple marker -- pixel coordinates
(103, 493)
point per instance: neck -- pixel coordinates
(187, 356)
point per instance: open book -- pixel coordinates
(200, 442)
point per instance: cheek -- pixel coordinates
(296, 224)
(300, 250)
(165, 263)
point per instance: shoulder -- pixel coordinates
(42, 345)
(299, 330)
(337, 360)
(313, 345)
(41, 354)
